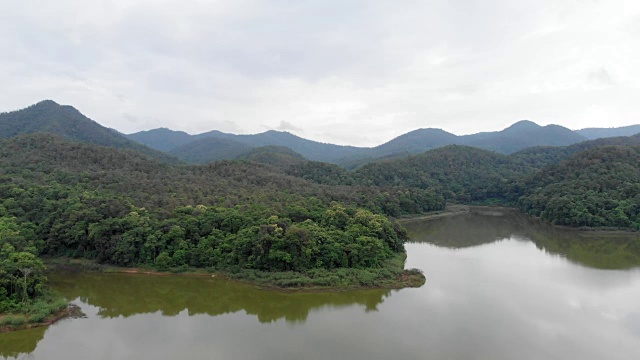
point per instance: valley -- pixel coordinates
(276, 215)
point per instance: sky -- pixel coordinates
(338, 71)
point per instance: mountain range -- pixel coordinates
(169, 145)
(49, 144)
(216, 145)
(49, 117)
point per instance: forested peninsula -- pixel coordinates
(270, 216)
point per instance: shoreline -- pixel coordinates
(70, 312)
(460, 209)
(457, 209)
(260, 279)
(450, 210)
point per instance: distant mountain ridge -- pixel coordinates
(63, 120)
(163, 144)
(518, 136)
(312, 150)
(597, 133)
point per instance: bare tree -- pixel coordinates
(25, 272)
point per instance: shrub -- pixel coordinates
(12, 320)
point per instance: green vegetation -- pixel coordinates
(541, 156)
(118, 207)
(483, 225)
(67, 122)
(278, 156)
(274, 217)
(460, 173)
(191, 148)
(24, 298)
(209, 149)
(599, 187)
(390, 275)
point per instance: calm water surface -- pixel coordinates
(499, 286)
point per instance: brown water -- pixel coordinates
(499, 286)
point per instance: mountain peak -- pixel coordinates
(65, 121)
(523, 125)
(46, 102)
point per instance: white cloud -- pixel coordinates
(358, 72)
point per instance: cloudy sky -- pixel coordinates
(340, 71)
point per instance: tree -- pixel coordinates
(29, 265)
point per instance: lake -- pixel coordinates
(500, 285)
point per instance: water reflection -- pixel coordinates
(20, 342)
(112, 296)
(130, 294)
(499, 286)
(602, 250)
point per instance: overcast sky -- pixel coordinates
(339, 71)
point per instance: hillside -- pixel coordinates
(176, 142)
(518, 136)
(120, 207)
(162, 139)
(279, 156)
(206, 150)
(461, 173)
(193, 148)
(150, 183)
(595, 187)
(521, 135)
(275, 176)
(540, 156)
(596, 133)
(416, 141)
(49, 117)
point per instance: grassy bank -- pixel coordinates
(391, 275)
(43, 311)
(450, 210)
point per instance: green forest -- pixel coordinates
(120, 208)
(271, 216)
(597, 188)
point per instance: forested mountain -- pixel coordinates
(124, 208)
(162, 139)
(150, 183)
(460, 173)
(313, 150)
(49, 117)
(516, 137)
(596, 187)
(540, 156)
(596, 133)
(416, 141)
(275, 176)
(206, 150)
(279, 156)
(70, 187)
(522, 134)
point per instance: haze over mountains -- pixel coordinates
(167, 145)
(596, 133)
(216, 145)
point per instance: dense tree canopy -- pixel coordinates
(597, 187)
(121, 208)
(459, 173)
(282, 214)
(21, 271)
